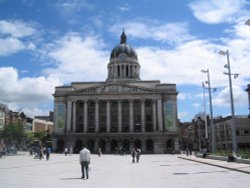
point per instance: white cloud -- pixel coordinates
(24, 93)
(78, 59)
(182, 96)
(214, 11)
(74, 4)
(183, 115)
(196, 105)
(168, 32)
(35, 111)
(223, 97)
(17, 29)
(183, 64)
(13, 37)
(9, 46)
(70, 8)
(124, 8)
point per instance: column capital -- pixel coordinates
(72, 99)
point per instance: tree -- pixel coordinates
(44, 137)
(13, 133)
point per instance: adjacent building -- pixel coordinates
(194, 133)
(119, 113)
(3, 114)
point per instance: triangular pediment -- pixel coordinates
(115, 88)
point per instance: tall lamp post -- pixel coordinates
(211, 110)
(227, 66)
(205, 113)
(248, 86)
(248, 91)
(199, 123)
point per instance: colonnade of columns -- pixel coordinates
(71, 121)
(123, 71)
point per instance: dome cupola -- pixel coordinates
(123, 64)
(123, 49)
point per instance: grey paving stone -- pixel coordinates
(110, 171)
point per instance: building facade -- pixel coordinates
(121, 112)
(194, 133)
(42, 125)
(224, 132)
(3, 113)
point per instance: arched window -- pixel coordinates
(78, 146)
(150, 146)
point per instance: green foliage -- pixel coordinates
(13, 133)
(43, 137)
(29, 136)
(40, 135)
(245, 154)
(221, 153)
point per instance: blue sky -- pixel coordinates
(46, 43)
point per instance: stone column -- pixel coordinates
(115, 71)
(143, 145)
(119, 116)
(96, 116)
(69, 112)
(143, 115)
(108, 116)
(154, 115)
(159, 107)
(85, 116)
(131, 116)
(74, 117)
(124, 71)
(176, 144)
(108, 146)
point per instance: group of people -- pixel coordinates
(40, 152)
(231, 156)
(68, 150)
(188, 151)
(7, 150)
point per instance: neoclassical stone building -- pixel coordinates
(121, 112)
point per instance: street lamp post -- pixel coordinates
(227, 66)
(248, 86)
(204, 115)
(211, 111)
(199, 123)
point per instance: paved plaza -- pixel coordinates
(107, 171)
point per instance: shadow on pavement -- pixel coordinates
(70, 178)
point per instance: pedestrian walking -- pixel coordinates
(133, 154)
(138, 154)
(204, 152)
(40, 153)
(70, 150)
(99, 152)
(66, 151)
(48, 151)
(187, 151)
(84, 159)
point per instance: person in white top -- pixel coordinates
(84, 159)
